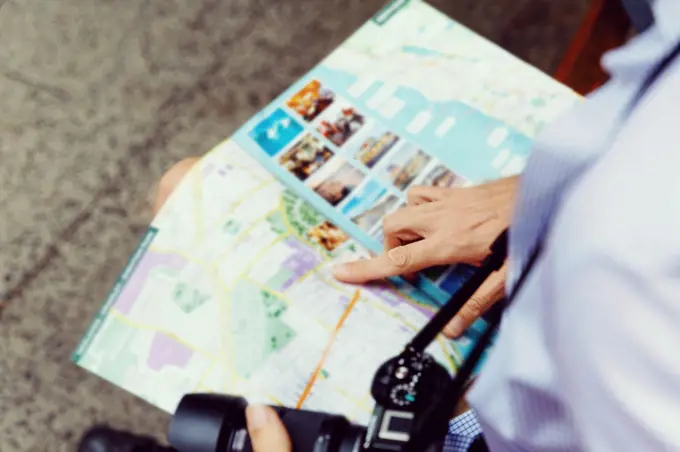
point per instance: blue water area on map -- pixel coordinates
(421, 51)
(275, 132)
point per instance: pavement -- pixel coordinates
(97, 100)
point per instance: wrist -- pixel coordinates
(502, 194)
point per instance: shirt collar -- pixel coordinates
(667, 19)
(633, 61)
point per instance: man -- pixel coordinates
(586, 358)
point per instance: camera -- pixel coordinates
(414, 397)
(403, 387)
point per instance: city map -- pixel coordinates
(230, 289)
(236, 295)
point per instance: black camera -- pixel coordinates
(402, 388)
(414, 397)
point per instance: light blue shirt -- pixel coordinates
(588, 355)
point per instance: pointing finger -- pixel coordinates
(397, 261)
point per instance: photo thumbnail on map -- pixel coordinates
(328, 235)
(305, 157)
(373, 216)
(404, 165)
(275, 132)
(368, 204)
(336, 181)
(311, 100)
(340, 122)
(385, 206)
(373, 143)
(441, 176)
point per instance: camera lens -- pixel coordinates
(216, 423)
(206, 422)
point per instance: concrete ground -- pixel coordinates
(97, 99)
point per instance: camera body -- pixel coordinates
(404, 388)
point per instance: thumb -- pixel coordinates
(267, 433)
(490, 292)
(170, 180)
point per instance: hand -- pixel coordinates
(267, 433)
(442, 226)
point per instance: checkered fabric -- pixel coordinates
(463, 430)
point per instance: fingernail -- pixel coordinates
(454, 328)
(257, 416)
(341, 271)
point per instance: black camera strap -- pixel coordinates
(458, 386)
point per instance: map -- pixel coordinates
(236, 295)
(231, 289)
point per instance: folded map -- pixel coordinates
(231, 290)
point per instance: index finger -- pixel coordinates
(397, 261)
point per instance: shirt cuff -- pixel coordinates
(463, 429)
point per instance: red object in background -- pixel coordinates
(605, 26)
